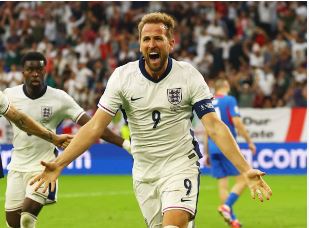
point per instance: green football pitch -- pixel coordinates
(108, 202)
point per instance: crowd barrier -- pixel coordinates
(107, 159)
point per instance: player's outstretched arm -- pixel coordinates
(206, 150)
(222, 136)
(108, 135)
(84, 138)
(27, 124)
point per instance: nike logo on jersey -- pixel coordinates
(134, 99)
(184, 200)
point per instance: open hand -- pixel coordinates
(47, 177)
(257, 185)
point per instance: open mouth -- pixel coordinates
(154, 56)
(35, 82)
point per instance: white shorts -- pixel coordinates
(177, 191)
(18, 188)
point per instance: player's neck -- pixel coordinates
(34, 93)
(156, 74)
(221, 93)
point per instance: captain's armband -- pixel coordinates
(203, 107)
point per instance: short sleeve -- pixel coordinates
(200, 93)
(199, 89)
(72, 110)
(111, 100)
(4, 103)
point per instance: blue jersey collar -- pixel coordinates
(146, 75)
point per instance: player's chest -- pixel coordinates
(42, 109)
(149, 95)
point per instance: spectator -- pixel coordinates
(300, 95)
(218, 36)
(14, 77)
(246, 96)
(265, 80)
(3, 77)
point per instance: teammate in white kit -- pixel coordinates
(50, 107)
(158, 94)
(27, 124)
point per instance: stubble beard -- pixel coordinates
(157, 69)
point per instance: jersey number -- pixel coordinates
(156, 117)
(188, 185)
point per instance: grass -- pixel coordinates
(108, 201)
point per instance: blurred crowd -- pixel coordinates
(260, 47)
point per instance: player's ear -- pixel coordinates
(171, 43)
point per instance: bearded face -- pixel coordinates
(155, 47)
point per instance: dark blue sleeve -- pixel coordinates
(203, 107)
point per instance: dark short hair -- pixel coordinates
(33, 56)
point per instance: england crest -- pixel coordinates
(46, 112)
(174, 96)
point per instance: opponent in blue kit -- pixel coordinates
(228, 111)
(158, 94)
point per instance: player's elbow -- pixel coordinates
(211, 132)
(212, 128)
(217, 130)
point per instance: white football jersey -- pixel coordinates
(158, 114)
(50, 110)
(4, 104)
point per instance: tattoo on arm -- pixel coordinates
(50, 135)
(31, 127)
(19, 121)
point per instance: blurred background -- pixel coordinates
(260, 47)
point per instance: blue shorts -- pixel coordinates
(221, 166)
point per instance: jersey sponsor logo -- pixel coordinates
(137, 98)
(46, 112)
(174, 96)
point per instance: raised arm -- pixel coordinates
(221, 135)
(27, 124)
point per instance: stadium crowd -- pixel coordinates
(260, 47)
